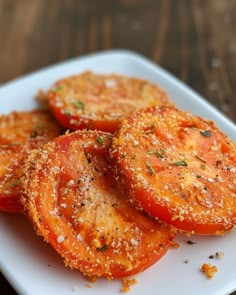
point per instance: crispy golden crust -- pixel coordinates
(179, 168)
(20, 132)
(100, 101)
(73, 202)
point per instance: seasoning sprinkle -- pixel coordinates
(58, 88)
(180, 163)
(199, 158)
(151, 170)
(133, 156)
(99, 140)
(78, 104)
(189, 242)
(102, 249)
(152, 127)
(206, 133)
(67, 113)
(151, 152)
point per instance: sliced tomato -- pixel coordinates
(75, 204)
(179, 168)
(20, 132)
(92, 101)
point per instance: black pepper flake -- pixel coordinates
(34, 134)
(218, 162)
(102, 249)
(189, 242)
(211, 256)
(206, 133)
(87, 157)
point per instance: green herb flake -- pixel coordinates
(180, 163)
(124, 155)
(99, 140)
(58, 88)
(159, 155)
(199, 158)
(206, 133)
(203, 166)
(67, 113)
(78, 104)
(13, 183)
(152, 127)
(102, 249)
(150, 169)
(133, 157)
(90, 126)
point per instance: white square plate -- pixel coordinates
(32, 267)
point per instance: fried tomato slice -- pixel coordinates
(179, 168)
(74, 203)
(93, 101)
(20, 132)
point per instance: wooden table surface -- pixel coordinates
(193, 39)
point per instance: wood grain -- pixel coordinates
(195, 40)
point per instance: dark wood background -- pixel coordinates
(193, 39)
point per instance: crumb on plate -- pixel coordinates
(209, 270)
(175, 245)
(127, 283)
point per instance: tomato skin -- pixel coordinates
(11, 203)
(78, 123)
(186, 226)
(72, 200)
(179, 168)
